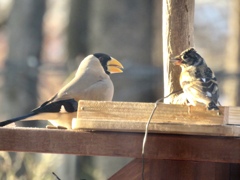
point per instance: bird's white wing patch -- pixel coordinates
(208, 94)
(203, 79)
(63, 110)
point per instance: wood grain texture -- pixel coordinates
(172, 169)
(140, 112)
(233, 115)
(175, 119)
(133, 170)
(158, 146)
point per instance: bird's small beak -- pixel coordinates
(176, 60)
(114, 66)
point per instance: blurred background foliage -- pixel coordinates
(43, 41)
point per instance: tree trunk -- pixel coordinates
(25, 40)
(178, 18)
(77, 31)
(124, 32)
(21, 71)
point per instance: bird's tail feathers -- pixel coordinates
(9, 121)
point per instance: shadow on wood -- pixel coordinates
(172, 169)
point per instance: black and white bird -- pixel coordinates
(197, 80)
(91, 82)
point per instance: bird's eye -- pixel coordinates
(183, 57)
(186, 56)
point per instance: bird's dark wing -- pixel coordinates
(210, 88)
(207, 83)
(70, 105)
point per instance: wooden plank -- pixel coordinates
(133, 170)
(172, 169)
(95, 125)
(233, 115)
(132, 116)
(234, 171)
(158, 146)
(140, 112)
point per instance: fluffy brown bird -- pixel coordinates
(197, 80)
(91, 82)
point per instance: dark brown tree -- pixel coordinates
(123, 29)
(77, 31)
(21, 65)
(21, 70)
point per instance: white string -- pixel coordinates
(147, 125)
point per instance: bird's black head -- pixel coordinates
(189, 57)
(109, 64)
(103, 58)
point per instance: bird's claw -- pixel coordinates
(189, 109)
(55, 127)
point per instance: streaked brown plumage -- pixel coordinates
(197, 80)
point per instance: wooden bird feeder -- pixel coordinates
(197, 142)
(132, 117)
(197, 145)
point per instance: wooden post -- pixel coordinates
(178, 17)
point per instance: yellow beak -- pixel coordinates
(114, 66)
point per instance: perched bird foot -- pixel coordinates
(213, 107)
(55, 127)
(189, 109)
(189, 105)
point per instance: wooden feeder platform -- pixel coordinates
(202, 142)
